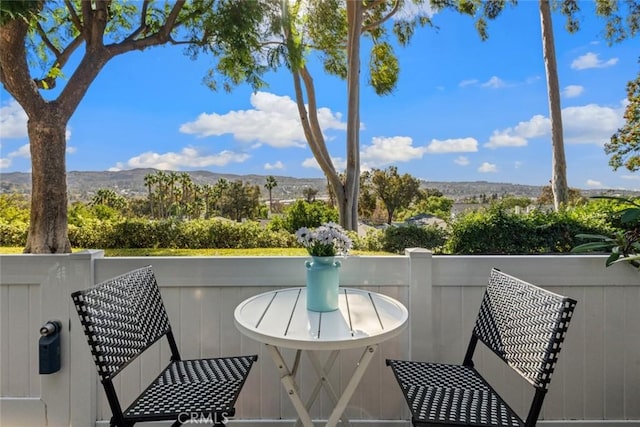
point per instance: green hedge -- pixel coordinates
(492, 231)
(14, 234)
(498, 231)
(397, 239)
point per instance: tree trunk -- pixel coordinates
(352, 184)
(48, 225)
(559, 185)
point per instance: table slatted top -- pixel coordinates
(281, 318)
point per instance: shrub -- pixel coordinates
(14, 234)
(397, 239)
(92, 234)
(306, 214)
(497, 231)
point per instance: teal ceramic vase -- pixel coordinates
(323, 281)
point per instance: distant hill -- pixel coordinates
(83, 185)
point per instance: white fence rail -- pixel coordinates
(597, 380)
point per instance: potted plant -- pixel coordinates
(323, 281)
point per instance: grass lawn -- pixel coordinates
(200, 252)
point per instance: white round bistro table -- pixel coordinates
(280, 319)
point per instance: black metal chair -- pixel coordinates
(521, 323)
(124, 316)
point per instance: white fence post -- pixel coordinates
(420, 304)
(69, 395)
(83, 376)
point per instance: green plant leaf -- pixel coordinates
(591, 246)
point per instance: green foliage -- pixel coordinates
(624, 243)
(546, 196)
(17, 9)
(384, 69)
(14, 234)
(396, 191)
(397, 239)
(372, 241)
(304, 214)
(79, 213)
(174, 234)
(498, 231)
(511, 202)
(14, 209)
(624, 146)
(434, 205)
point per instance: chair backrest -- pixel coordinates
(524, 325)
(121, 318)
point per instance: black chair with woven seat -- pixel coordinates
(521, 323)
(124, 316)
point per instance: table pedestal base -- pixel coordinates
(287, 377)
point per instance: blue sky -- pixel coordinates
(464, 110)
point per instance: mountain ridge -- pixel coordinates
(82, 185)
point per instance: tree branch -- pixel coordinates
(14, 71)
(382, 20)
(143, 22)
(49, 82)
(162, 36)
(316, 129)
(74, 16)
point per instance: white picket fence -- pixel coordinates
(596, 382)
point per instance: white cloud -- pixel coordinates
(537, 126)
(461, 161)
(118, 167)
(273, 121)
(631, 177)
(189, 157)
(591, 60)
(487, 167)
(71, 150)
(587, 124)
(505, 138)
(459, 145)
(13, 121)
(572, 91)
(494, 82)
(22, 151)
(591, 124)
(591, 183)
(384, 151)
(276, 165)
(338, 162)
(410, 10)
(469, 82)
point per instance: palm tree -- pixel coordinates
(149, 181)
(270, 185)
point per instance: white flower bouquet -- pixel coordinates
(327, 240)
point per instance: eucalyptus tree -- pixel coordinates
(333, 29)
(559, 184)
(618, 26)
(38, 42)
